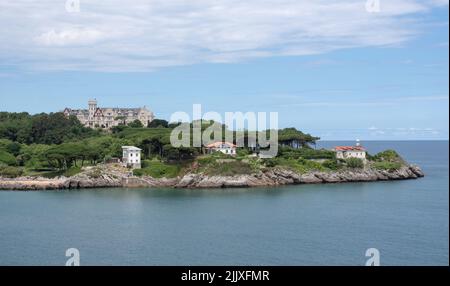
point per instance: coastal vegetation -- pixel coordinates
(52, 145)
(158, 169)
(354, 163)
(387, 160)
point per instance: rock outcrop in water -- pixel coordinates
(276, 177)
(271, 177)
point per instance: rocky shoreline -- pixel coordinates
(271, 177)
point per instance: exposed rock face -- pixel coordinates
(277, 177)
(29, 183)
(75, 182)
(272, 177)
(82, 181)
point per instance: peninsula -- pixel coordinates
(56, 151)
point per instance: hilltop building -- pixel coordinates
(97, 117)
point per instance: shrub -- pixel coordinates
(7, 158)
(118, 128)
(354, 163)
(145, 163)
(306, 153)
(229, 169)
(10, 172)
(242, 152)
(95, 173)
(10, 146)
(270, 162)
(301, 165)
(308, 165)
(388, 155)
(206, 160)
(389, 166)
(331, 164)
(72, 171)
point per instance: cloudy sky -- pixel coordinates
(338, 69)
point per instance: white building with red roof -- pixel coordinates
(224, 147)
(345, 152)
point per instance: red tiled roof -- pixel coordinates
(218, 144)
(349, 148)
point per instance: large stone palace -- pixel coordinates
(96, 117)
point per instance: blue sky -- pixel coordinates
(343, 75)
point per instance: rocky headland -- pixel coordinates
(104, 177)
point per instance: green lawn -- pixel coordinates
(157, 169)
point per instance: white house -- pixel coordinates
(345, 152)
(131, 157)
(224, 147)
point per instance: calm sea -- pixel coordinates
(407, 221)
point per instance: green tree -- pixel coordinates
(158, 123)
(295, 138)
(55, 128)
(65, 155)
(136, 124)
(119, 128)
(7, 158)
(34, 156)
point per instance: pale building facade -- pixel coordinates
(345, 152)
(96, 117)
(224, 147)
(131, 157)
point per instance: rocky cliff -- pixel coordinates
(270, 177)
(276, 177)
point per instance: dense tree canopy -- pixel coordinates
(158, 123)
(53, 128)
(54, 141)
(295, 138)
(136, 124)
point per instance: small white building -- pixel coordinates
(345, 152)
(131, 157)
(224, 147)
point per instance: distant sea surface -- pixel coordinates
(334, 224)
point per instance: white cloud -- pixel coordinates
(140, 35)
(69, 37)
(303, 102)
(440, 2)
(413, 132)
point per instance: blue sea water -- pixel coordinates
(334, 224)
